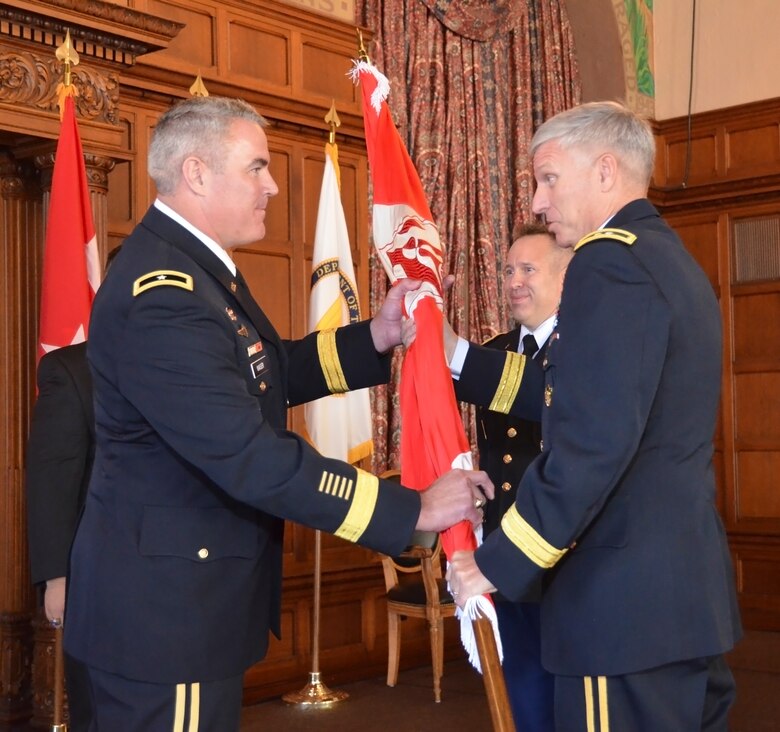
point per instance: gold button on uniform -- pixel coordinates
(263, 386)
(511, 432)
(507, 459)
(506, 486)
(203, 553)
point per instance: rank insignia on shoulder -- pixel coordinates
(621, 235)
(548, 392)
(162, 277)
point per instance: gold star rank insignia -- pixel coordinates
(162, 277)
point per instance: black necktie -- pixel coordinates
(530, 346)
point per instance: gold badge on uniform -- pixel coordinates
(548, 390)
(242, 331)
(231, 314)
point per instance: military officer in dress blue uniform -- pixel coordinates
(176, 565)
(60, 449)
(533, 278)
(618, 511)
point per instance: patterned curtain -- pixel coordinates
(470, 82)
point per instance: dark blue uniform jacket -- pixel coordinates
(176, 566)
(620, 506)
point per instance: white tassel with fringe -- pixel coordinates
(382, 90)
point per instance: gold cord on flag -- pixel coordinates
(68, 56)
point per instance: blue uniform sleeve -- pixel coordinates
(502, 381)
(332, 362)
(58, 461)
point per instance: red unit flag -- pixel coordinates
(407, 241)
(71, 270)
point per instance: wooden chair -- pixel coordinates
(415, 589)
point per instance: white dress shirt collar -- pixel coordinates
(207, 240)
(541, 334)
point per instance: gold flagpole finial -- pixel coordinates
(362, 53)
(198, 89)
(333, 121)
(69, 57)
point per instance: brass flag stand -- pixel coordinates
(315, 693)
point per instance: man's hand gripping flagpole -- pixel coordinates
(432, 436)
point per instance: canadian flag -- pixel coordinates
(407, 241)
(71, 268)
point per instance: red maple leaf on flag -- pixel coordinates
(71, 270)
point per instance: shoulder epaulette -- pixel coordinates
(621, 235)
(162, 277)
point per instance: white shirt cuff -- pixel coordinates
(459, 357)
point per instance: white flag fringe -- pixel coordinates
(382, 90)
(477, 607)
(480, 606)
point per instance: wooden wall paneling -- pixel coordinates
(123, 198)
(20, 237)
(324, 68)
(751, 146)
(757, 565)
(286, 60)
(257, 50)
(729, 217)
(705, 158)
(196, 43)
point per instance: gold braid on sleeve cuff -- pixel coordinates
(509, 384)
(330, 363)
(528, 540)
(361, 510)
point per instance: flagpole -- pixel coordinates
(493, 677)
(411, 193)
(58, 722)
(315, 694)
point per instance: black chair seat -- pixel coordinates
(414, 594)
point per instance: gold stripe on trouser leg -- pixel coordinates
(178, 719)
(590, 722)
(603, 706)
(194, 707)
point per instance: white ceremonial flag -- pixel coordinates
(339, 425)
